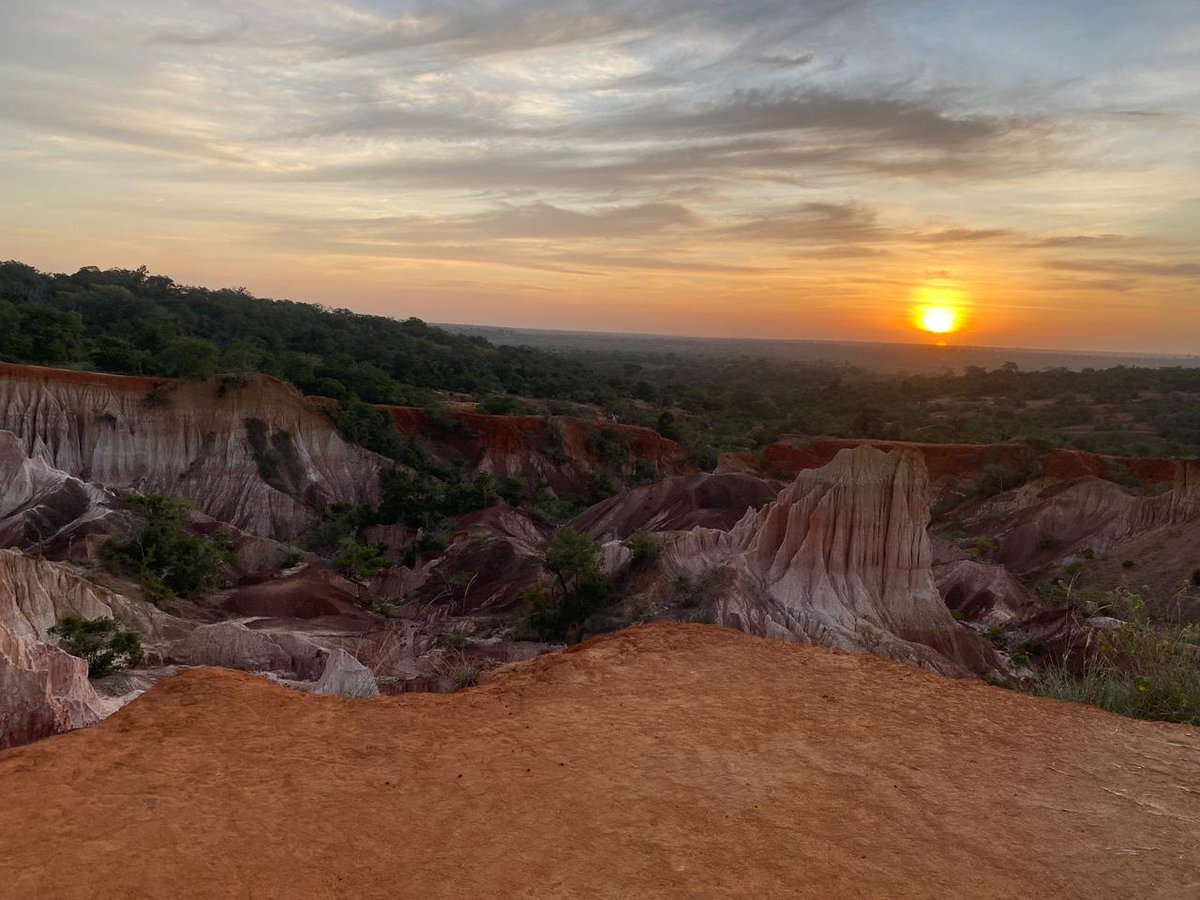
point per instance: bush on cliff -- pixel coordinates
(102, 643)
(359, 560)
(166, 556)
(573, 559)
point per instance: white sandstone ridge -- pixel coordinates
(44, 691)
(250, 451)
(346, 676)
(35, 594)
(41, 505)
(841, 558)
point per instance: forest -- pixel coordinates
(134, 322)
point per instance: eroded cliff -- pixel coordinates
(842, 558)
(249, 451)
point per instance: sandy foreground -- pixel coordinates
(664, 761)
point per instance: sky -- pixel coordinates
(754, 168)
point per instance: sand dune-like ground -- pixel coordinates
(664, 761)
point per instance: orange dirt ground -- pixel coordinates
(664, 761)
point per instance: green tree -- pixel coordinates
(188, 357)
(361, 560)
(573, 558)
(102, 643)
(166, 556)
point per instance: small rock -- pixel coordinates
(346, 676)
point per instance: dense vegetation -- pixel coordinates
(136, 323)
(166, 555)
(715, 404)
(1146, 668)
(132, 322)
(579, 588)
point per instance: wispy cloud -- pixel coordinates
(785, 151)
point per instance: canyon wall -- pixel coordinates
(562, 452)
(842, 558)
(249, 451)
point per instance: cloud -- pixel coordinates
(965, 235)
(1129, 267)
(469, 29)
(201, 37)
(911, 122)
(573, 138)
(808, 223)
(1081, 240)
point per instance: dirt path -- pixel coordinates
(661, 762)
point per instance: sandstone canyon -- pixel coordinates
(866, 548)
(823, 541)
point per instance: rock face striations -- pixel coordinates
(35, 594)
(249, 451)
(41, 506)
(43, 691)
(677, 504)
(841, 558)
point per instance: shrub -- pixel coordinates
(368, 427)
(335, 523)
(1134, 672)
(691, 594)
(156, 397)
(291, 557)
(645, 472)
(550, 509)
(553, 440)
(275, 456)
(361, 560)
(573, 559)
(165, 556)
(502, 405)
(982, 547)
(995, 479)
(1121, 474)
(425, 544)
(102, 643)
(643, 551)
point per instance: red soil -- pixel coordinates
(521, 440)
(513, 434)
(132, 383)
(665, 761)
(966, 461)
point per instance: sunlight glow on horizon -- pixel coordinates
(939, 319)
(818, 171)
(939, 308)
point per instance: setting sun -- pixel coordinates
(939, 319)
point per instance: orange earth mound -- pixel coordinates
(663, 761)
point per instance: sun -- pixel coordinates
(938, 319)
(939, 307)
